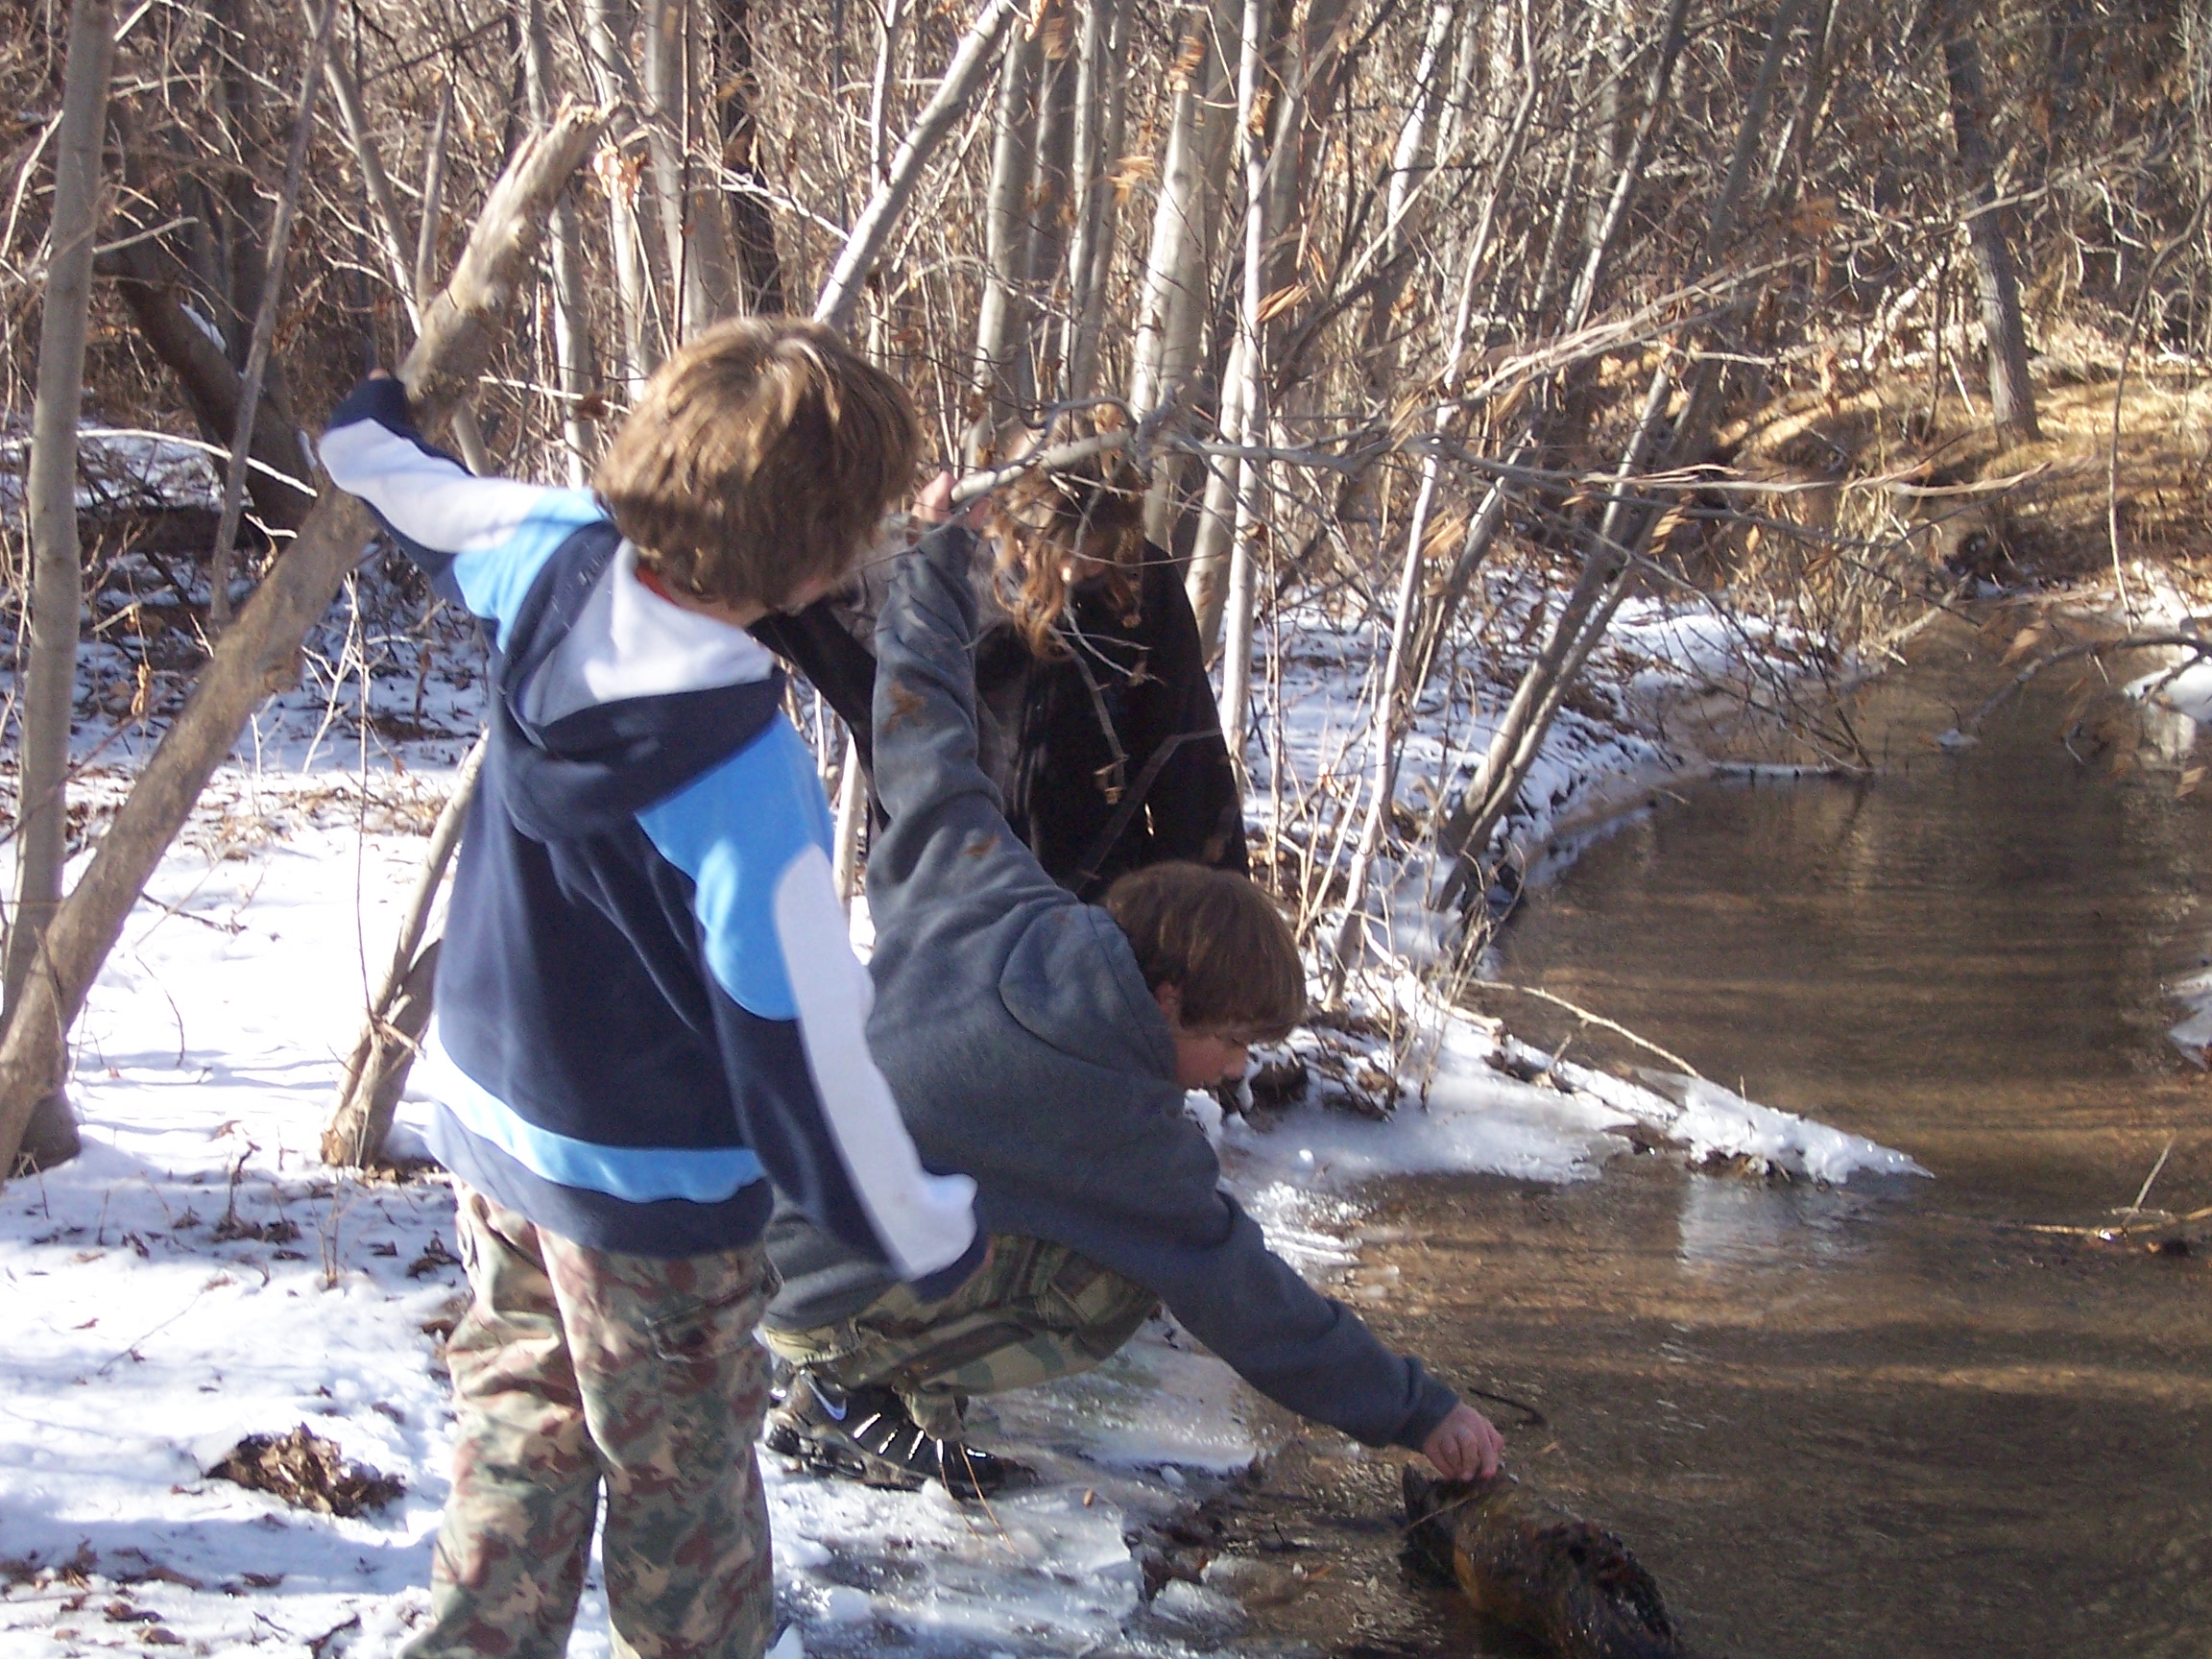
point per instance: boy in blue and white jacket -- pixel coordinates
(649, 1016)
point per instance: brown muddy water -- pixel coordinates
(1883, 1420)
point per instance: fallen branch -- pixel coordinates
(1968, 731)
(258, 654)
(1590, 1019)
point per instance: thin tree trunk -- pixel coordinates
(1000, 379)
(1208, 578)
(1052, 194)
(1251, 477)
(399, 1010)
(2012, 394)
(757, 261)
(694, 245)
(57, 569)
(1631, 173)
(608, 35)
(1097, 126)
(879, 88)
(1394, 694)
(258, 654)
(971, 62)
(1378, 347)
(413, 278)
(577, 363)
(265, 320)
(852, 814)
(1170, 310)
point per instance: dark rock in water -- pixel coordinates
(1550, 1576)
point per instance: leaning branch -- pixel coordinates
(970, 63)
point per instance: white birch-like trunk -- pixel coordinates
(1170, 307)
(56, 570)
(1000, 379)
(1242, 596)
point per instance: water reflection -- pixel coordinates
(1890, 1418)
(1730, 1222)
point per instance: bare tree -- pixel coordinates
(57, 577)
(2012, 394)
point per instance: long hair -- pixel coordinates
(1068, 524)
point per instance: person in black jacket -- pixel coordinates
(1099, 726)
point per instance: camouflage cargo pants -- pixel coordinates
(1033, 1312)
(577, 1368)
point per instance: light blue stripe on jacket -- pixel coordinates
(634, 1174)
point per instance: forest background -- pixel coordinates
(1459, 330)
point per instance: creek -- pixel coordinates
(1885, 1419)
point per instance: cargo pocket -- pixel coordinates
(1093, 1304)
(719, 1324)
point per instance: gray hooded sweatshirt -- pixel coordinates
(1025, 1050)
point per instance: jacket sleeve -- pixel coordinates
(836, 664)
(1196, 811)
(1144, 1198)
(1303, 1350)
(790, 1006)
(947, 840)
(480, 541)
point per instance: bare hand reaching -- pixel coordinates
(1465, 1446)
(934, 505)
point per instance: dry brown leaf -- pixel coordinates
(1280, 302)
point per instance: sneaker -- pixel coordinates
(865, 1434)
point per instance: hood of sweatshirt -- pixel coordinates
(1072, 981)
(611, 699)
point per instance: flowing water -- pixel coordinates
(1883, 1420)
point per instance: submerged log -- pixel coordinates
(1560, 1581)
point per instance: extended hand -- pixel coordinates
(1464, 1446)
(934, 505)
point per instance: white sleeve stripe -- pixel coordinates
(925, 1222)
(429, 499)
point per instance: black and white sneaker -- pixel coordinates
(865, 1434)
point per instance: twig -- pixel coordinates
(1590, 1019)
(2136, 1208)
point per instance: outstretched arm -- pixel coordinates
(947, 838)
(480, 541)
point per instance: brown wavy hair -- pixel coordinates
(761, 455)
(1064, 524)
(1220, 940)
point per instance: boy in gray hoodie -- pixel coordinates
(1043, 1047)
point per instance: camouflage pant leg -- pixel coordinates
(509, 1561)
(573, 1366)
(675, 1387)
(1033, 1312)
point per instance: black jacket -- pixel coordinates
(1109, 753)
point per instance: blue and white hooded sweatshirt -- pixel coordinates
(649, 1015)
